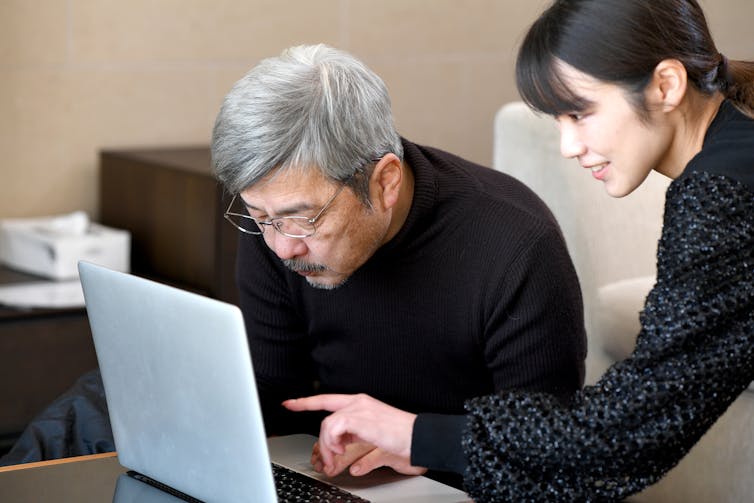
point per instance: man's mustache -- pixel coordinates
(301, 266)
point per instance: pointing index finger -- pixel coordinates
(330, 402)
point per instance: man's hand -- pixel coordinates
(360, 419)
(362, 459)
(352, 453)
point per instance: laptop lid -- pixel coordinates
(179, 385)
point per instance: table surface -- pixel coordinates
(94, 479)
(84, 479)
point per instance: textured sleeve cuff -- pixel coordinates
(436, 442)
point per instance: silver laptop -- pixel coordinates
(182, 398)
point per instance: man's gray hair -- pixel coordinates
(311, 107)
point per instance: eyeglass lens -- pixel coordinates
(293, 226)
(238, 216)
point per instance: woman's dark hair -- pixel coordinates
(621, 42)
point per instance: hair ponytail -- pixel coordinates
(737, 83)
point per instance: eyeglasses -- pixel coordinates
(292, 227)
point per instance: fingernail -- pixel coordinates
(355, 469)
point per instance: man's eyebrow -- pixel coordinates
(293, 209)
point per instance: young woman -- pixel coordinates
(635, 86)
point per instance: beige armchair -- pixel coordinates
(613, 244)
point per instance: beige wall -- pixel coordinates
(81, 75)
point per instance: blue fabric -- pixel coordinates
(75, 424)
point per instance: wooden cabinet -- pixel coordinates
(173, 206)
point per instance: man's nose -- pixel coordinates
(283, 246)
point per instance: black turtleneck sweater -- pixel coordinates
(475, 294)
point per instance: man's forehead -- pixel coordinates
(290, 188)
(289, 176)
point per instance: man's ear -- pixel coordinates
(668, 86)
(385, 184)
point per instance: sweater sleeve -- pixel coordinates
(694, 356)
(534, 336)
(445, 454)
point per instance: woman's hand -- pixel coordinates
(361, 419)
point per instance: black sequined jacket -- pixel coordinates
(694, 356)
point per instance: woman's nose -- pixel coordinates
(571, 145)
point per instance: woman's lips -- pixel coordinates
(599, 170)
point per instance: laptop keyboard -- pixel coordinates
(293, 487)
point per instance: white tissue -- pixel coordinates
(72, 224)
(53, 246)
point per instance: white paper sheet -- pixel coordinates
(43, 294)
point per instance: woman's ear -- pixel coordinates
(668, 86)
(386, 180)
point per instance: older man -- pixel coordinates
(368, 263)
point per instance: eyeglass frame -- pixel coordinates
(271, 222)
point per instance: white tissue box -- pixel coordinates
(32, 246)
